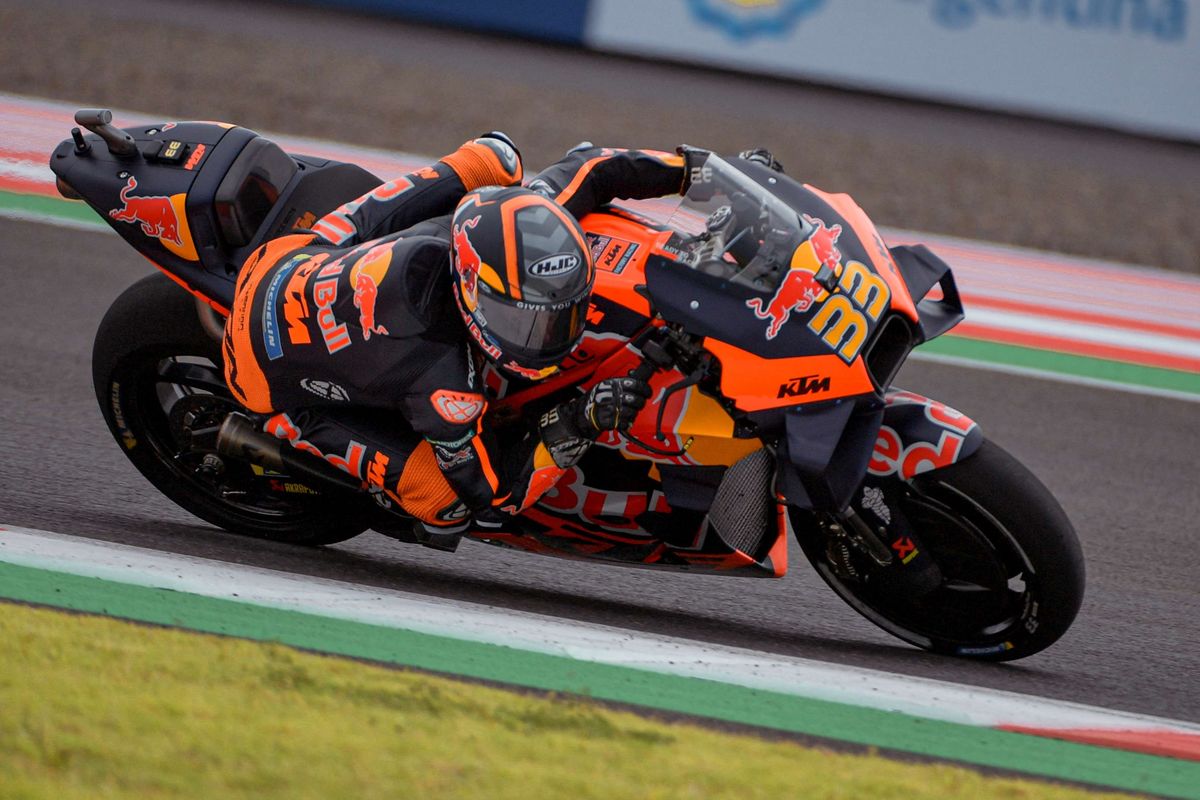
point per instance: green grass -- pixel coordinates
(96, 708)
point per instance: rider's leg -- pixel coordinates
(392, 461)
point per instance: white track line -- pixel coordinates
(1057, 377)
(922, 697)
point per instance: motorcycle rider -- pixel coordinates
(359, 337)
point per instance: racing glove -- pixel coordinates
(490, 159)
(503, 137)
(569, 429)
(762, 156)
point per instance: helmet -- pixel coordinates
(523, 276)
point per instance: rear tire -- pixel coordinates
(1012, 571)
(151, 357)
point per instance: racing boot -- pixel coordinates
(439, 538)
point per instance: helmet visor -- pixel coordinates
(534, 335)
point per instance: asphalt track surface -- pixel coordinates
(1122, 465)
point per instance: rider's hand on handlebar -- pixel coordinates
(761, 155)
(611, 405)
(568, 430)
(503, 137)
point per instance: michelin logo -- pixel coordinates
(746, 19)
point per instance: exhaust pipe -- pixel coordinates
(240, 438)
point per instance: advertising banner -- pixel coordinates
(1130, 64)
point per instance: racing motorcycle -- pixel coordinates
(769, 317)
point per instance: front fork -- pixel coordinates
(915, 435)
(875, 526)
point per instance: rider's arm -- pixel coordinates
(489, 475)
(588, 178)
(428, 192)
(485, 475)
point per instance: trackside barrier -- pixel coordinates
(1128, 64)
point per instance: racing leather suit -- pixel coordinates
(349, 336)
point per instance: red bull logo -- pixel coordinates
(798, 292)
(799, 288)
(468, 261)
(366, 275)
(156, 214)
(824, 242)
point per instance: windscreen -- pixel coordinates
(735, 229)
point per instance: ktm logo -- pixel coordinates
(805, 384)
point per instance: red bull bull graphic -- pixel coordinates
(365, 276)
(824, 242)
(799, 288)
(798, 291)
(468, 262)
(156, 214)
(164, 218)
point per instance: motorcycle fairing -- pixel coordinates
(824, 452)
(629, 517)
(829, 448)
(715, 308)
(919, 434)
(620, 269)
(864, 244)
(802, 341)
(758, 383)
(921, 270)
(100, 178)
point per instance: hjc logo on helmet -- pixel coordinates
(557, 264)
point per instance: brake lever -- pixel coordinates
(658, 357)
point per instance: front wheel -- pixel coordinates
(1007, 566)
(159, 379)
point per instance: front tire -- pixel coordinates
(157, 376)
(1010, 569)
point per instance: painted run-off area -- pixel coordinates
(1033, 312)
(866, 707)
(98, 707)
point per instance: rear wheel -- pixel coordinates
(159, 379)
(1007, 570)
